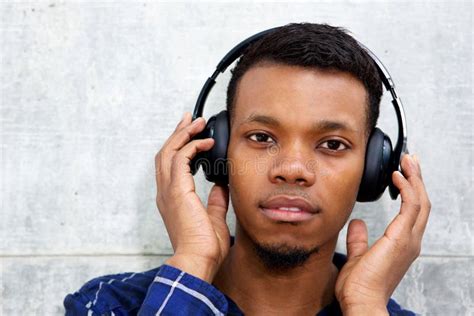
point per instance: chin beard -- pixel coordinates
(281, 257)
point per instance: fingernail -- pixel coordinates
(399, 174)
(198, 120)
(409, 160)
(406, 157)
(417, 163)
(413, 162)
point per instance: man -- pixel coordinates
(302, 102)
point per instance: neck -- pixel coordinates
(303, 290)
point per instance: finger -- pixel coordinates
(218, 202)
(183, 136)
(409, 168)
(357, 240)
(176, 141)
(162, 167)
(180, 163)
(407, 184)
(184, 121)
(416, 180)
(409, 209)
(401, 223)
(412, 172)
(170, 169)
(163, 158)
(422, 220)
(417, 162)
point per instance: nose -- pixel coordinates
(293, 166)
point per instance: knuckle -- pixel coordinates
(428, 204)
(160, 166)
(174, 195)
(159, 200)
(416, 250)
(161, 155)
(416, 205)
(160, 191)
(180, 163)
(401, 244)
(173, 161)
(177, 161)
(190, 130)
(158, 156)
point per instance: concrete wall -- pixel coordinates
(91, 90)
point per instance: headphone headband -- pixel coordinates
(237, 51)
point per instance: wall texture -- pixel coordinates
(91, 90)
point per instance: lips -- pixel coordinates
(288, 209)
(289, 204)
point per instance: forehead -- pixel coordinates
(300, 96)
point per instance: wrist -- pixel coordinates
(357, 310)
(201, 268)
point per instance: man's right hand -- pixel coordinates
(199, 236)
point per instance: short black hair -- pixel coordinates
(310, 45)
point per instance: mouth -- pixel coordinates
(288, 209)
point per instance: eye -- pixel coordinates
(334, 145)
(259, 137)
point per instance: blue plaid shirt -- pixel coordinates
(168, 291)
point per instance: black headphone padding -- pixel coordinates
(214, 161)
(378, 157)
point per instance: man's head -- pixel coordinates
(302, 102)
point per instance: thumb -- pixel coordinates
(218, 201)
(357, 240)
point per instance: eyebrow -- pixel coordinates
(319, 126)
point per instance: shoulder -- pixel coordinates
(122, 291)
(163, 290)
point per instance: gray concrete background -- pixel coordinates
(91, 90)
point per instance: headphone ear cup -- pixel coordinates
(376, 174)
(214, 161)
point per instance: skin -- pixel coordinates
(297, 98)
(293, 160)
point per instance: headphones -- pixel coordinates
(381, 159)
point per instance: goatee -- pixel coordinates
(280, 257)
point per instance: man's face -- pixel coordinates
(296, 132)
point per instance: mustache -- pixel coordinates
(290, 192)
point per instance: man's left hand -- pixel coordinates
(368, 279)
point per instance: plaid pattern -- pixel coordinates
(168, 291)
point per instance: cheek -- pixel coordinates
(247, 173)
(343, 175)
(248, 180)
(340, 187)
(243, 194)
(344, 179)
(241, 177)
